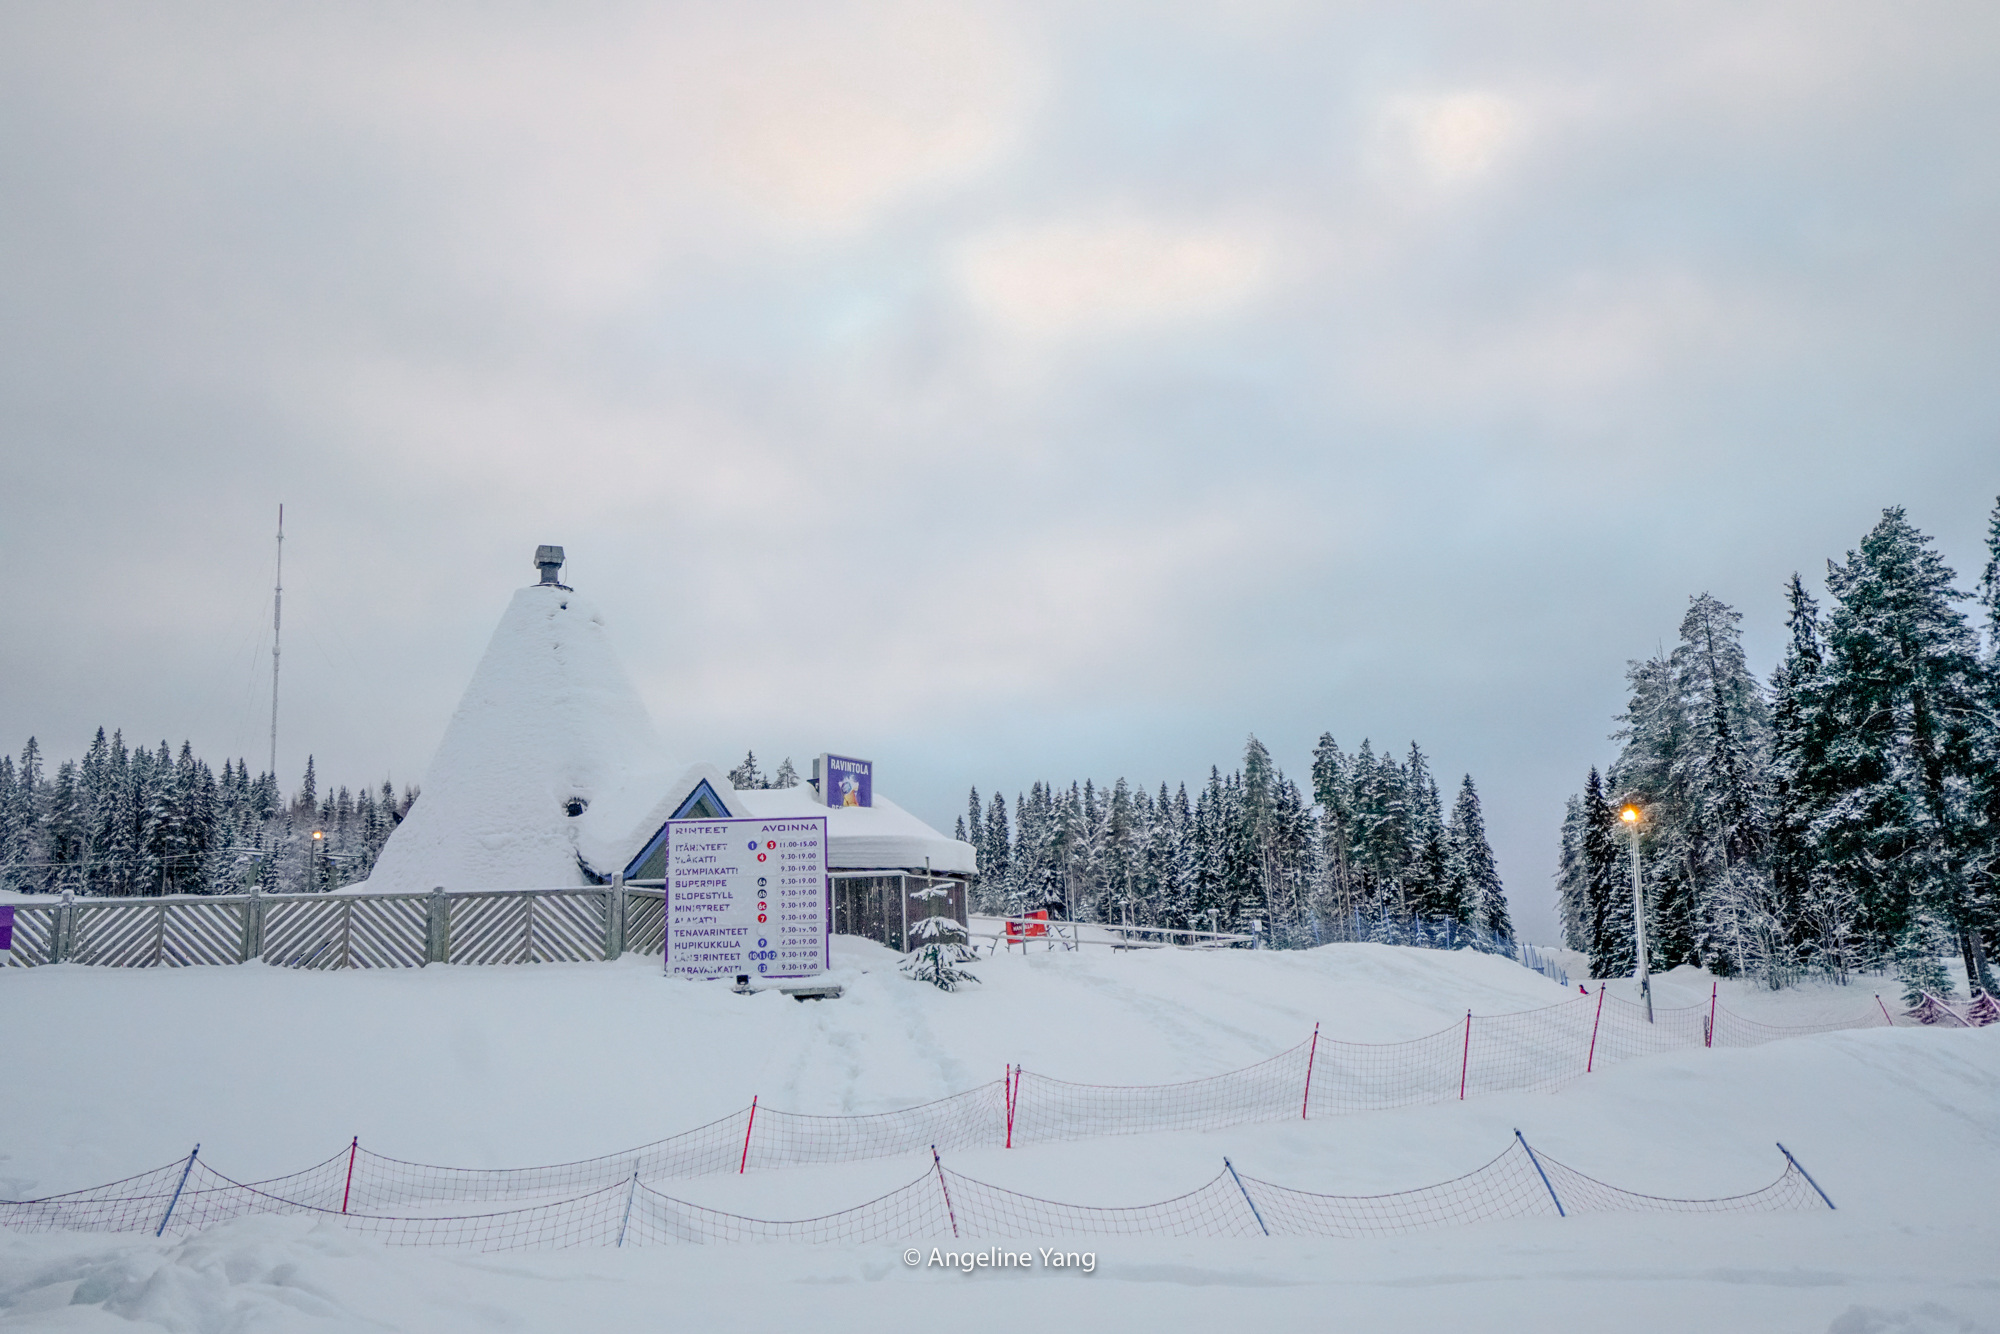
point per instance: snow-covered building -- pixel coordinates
(551, 774)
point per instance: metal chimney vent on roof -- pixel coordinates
(549, 560)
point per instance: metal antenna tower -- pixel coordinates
(277, 620)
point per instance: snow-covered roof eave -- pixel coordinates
(882, 837)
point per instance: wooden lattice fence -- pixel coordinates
(341, 930)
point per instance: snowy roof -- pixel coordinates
(550, 719)
(879, 837)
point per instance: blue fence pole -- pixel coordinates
(1560, 1211)
(630, 1191)
(167, 1217)
(1802, 1172)
(1254, 1211)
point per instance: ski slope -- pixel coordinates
(112, 1071)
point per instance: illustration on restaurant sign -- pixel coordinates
(845, 781)
(747, 896)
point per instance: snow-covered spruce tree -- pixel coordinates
(1648, 772)
(1257, 861)
(1236, 859)
(1268, 870)
(938, 944)
(11, 824)
(1696, 736)
(1483, 902)
(1171, 858)
(1919, 965)
(1606, 886)
(1037, 878)
(1207, 832)
(746, 775)
(786, 776)
(1380, 839)
(1989, 584)
(1119, 866)
(1981, 936)
(1572, 884)
(1143, 893)
(26, 816)
(970, 831)
(1900, 712)
(1822, 912)
(1294, 863)
(1086, 836)
(1426, 890)
(995, 857)
(1729, 726)
(1333, 789)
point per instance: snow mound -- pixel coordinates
(513, 1065)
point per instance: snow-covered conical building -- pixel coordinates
(550, 774)
(549, 725)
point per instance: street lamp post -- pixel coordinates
(1630, 815)
(318, 840)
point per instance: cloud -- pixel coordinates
(1084, 376)
(1450, 139)
(580, 157)
(1108, 275)
(852, 113)
(1044, 616)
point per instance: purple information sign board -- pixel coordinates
(845, 781)
(748, 897)
(6, 926)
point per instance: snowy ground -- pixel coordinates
(111, 1071)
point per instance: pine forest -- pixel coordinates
(1370, 852)
(1842, 816)
(142, 822)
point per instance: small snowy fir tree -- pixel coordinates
(745, 776)
(1917, 962)
(938, 944)
(786, 776)
(1984, 1010)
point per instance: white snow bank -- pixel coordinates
(113, 1070)
(272, 1069)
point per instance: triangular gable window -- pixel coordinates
(701, 804)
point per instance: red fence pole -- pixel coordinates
(1885, 1011)
(1592, 1059)
(950, 1213)
(1708, 1038)
(1010, 1084)
(746, 1136)
(352, 1149)
(1465, 1062)
(1314, 1051)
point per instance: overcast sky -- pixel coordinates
(999, 391)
